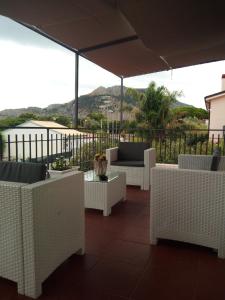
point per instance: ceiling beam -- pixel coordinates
(109, 44)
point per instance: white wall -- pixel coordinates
(217, 115)
(32, 134)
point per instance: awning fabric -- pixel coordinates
(130, 37)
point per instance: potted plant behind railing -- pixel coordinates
(61, 166)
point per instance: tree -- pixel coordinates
(15, 121)
(91, 124)
(97, 116)
(190, 112)
(154, 105)
(28, 116)
(63, 120)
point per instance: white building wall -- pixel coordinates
(33, 149)
(217, 115)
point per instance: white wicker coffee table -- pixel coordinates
(104, 194)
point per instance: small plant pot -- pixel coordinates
(103, 177)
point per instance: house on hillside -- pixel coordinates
(35, 140)
(215, 104)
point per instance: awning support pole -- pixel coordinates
(121, 102)
(76, 90)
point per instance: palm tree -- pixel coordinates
(154, 105)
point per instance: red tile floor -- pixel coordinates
(120, 264)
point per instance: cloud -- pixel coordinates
(14, 32)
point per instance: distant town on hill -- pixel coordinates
(101, 99)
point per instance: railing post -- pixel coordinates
(150, 137)
(75, 121)
(9, 148)
(1, 147)
(47, 148)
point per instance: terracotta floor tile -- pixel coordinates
(113, 277)
(86, 293)
(120, 264)
(129, 252)
(167, 282)
(136, 234)
(8, 289)
(210, 278)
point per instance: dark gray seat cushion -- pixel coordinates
(128, 163)
(22, 172)
(132, 151)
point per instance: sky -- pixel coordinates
(37, 72)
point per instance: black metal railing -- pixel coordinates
(46, 144)
(169, 143)
(43, 145)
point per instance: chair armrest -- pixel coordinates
(160, 165)
(150, 158)
(149, 162)
(112, 154)
(195, 162)
(181, 181)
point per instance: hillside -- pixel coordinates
(101, 99)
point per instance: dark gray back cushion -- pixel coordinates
(132, 151)
(215, 160)
(22, 172)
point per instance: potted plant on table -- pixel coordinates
(100, 166)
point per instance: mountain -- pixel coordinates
(101, 99)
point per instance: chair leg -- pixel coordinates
(146, 187)
(153, 240)
(81, 251)
(107, 212)
(20, 287)
(33, 289)
(221, 252)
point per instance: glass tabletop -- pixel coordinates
(91, 177)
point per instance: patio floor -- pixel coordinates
(120, 264)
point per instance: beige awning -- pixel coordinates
(130, 37)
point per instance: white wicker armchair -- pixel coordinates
(137, 173)
(189, 205)
(42, 224)
(11, 246)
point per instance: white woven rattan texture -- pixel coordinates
(188, 205)
(198, 162)
(53, 226)
(11, 254)
(103, 195)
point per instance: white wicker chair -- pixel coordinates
(135, 175)
(189, 205)
(11, 246)
(43, 226)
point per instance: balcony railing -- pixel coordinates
(43, 145)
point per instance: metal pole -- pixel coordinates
(47, 148)
(121, 102)
(107, 119)
(76, 90)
